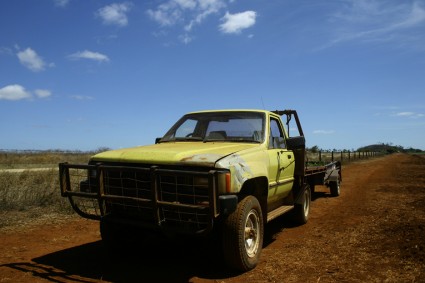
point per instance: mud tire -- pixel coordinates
(112, 237)
(242, 235)
(335, 188)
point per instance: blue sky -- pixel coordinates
(86, 74)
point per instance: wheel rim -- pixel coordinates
(252, 233)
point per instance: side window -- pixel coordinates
(277, 139)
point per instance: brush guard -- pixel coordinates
(183, 201)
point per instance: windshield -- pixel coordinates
(229, 126)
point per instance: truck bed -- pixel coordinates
(323, 174)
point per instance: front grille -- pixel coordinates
(119, 182)
(183, 189)
(171, 198)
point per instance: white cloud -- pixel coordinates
(6, 51)
(86, 54)
(186, 4)
(188, 13)
(405, 114)
(82, 97)
(30, 59)
(185, 38)
(235, 23)
(206, 8)
(378, 21)
(167, 14)
(14, 92)
(18, 92)
(409, 114)
(115, 14)
(42, 93)
(323, 132)
(61, 3)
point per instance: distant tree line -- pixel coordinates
(387, 148)
(58, 151)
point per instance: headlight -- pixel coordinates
(92, 173)
(224, 183)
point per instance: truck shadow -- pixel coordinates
(157, 260)
(317, 195)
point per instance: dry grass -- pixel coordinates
(21, 191)
(43, 159)
(31, 195)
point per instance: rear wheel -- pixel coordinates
(301, 210)
(335, 188)
(243, 233)
(312, 188)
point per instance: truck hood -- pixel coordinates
(179, 153)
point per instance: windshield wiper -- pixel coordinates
(182, 139)
(189, 139)
(245, 140)
(215, 140)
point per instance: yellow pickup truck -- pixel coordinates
(231, 170)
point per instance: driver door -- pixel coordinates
(281, 165)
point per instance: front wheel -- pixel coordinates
(243, 233)
(111, 238)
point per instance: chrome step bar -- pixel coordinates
(278, 212)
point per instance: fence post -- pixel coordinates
(349, 157)
(320, 156)
(332, 156)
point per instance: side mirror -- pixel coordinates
(295, 142)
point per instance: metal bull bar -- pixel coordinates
(151, 197)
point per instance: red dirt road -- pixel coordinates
(373, 232)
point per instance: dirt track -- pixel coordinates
(373, 232)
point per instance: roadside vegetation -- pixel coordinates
(26, 189)
(29, 194)
(23, 159)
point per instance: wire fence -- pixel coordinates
(342, 156)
